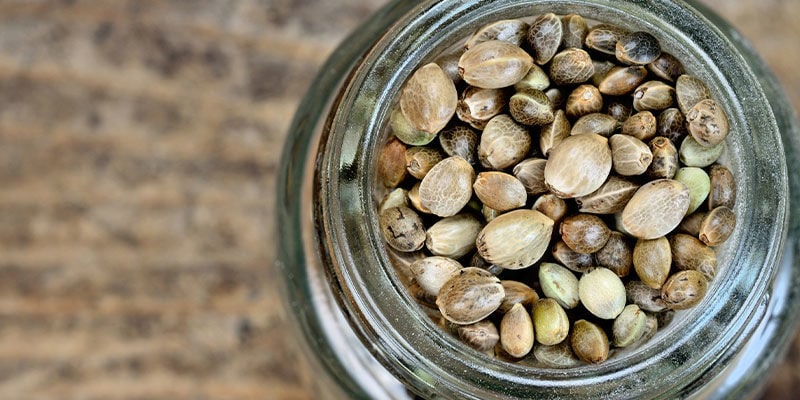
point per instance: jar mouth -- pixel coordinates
(684, 354)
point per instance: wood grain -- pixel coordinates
(139, 142)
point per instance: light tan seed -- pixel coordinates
(508, 30)
(531, 173)
(499, 190)
(559, 284)
(656, 209)
(584, 99)
(402, 229)
(589, 342)
(430, 273)
(503, 143)
(570, 67)
(652, 260)
(689, 253)
(629, 155)
(408, 134)
(684, 289)
(597, 123)
(578, 165)
(611, 197)
(531, 107)
(708, 123)
(602, 293)
(629, 326)
(690, 91)
(723, 187)
(428, 99)
(494, 64)
(536, 78)
(477, 106)
(517, 332)
(717, 226)
(420, 160)
(556, 356)
(470, 296)
(544, 37)
(454, 236)
(447, 187)
(653, 95)
(641, 125)
(516, 239)
(396, 198)
(550, 322)
(553, 133)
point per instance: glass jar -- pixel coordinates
(366, 336)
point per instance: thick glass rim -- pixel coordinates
(406, 341)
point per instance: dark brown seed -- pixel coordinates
(508, 30)
(691, 223)
(478, 262)
(708, 123)
(644, 296)
(578, 262)
(641, 125)
(531, 173)
(544, 37)
(622, 80)
(666, 67)
(684, 289)
(460, 141)
(723, 187)
(604, 38)
(517, 293)
(402, 229)
(610, 198)
(601, 69)
(589, 342)
(665, 158)
(392, 164)
(616, 255)
(477, 106)
(597, 123)
(584, 233)
(638, 48)
(553, 133)
(671, 125)
(552, 206)
(620, 110)
(570, 67)
(531, 107)
(689, 253)
(556, 97)
(574, 31)
(584, 99)
(653, 95)
(717, 226)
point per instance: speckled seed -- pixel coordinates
(609, 198)
(402, 229)
(574, 30)
(392, 163)
(629, 326)
(553, 133)
(650, 327)
(684, 289)
(454, 236)
(689, 253)
(516, 239)
(531, 107)
(460, 141)
(536, 78)
(584, 99)
(717, 226)
(622, 80)
(602, 293)
(544, 37)
(478, 262)
(671, 124)
(656, 208)
(665, 158)
(430, 273)
(707, 123)
(477, 106)
(691, 223)
(644, 296)
(638, 48)
(481, 336)
(420, 160)
(584, 233)
(620, 110)
(601, 69)
(428, 99)
(414, 200)
(503, 143)
(723, 187)
(556, 97)
(616, 255)
(508, 30)
(641, 125)
(550, 322)
(517, 332)
(531, 173)
(552, 206)
(693, 154)
(470, 296)
(652, 260)
(499, 190)
(698, 183)
(653, 95)
(556, 356)
(578, 262)
(559, 284)
(448, 62)
(629, 155)
(690, 91)
(517, 292)
(604, 38)
(404, 131)
(597, 123)
(666, 67)
(447, 187)
(494, 64)
(589, 342)
(570, 67)
(578, 165)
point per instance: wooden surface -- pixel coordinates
(139, 142)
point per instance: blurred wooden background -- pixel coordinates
(139, 141)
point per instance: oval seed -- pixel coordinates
(550, 322)
(408, 134)
(544, 37)
(629, 155)
(684, 289)
(604, 38)
(536, 78)
(508, 30)
(693, 154)
(584, 233)
(420, 160)
(691, 223)
(641, 125)
(665, 158)
(552, 206)
(481, 336)
(620, 110)
(656, 208)
(428, 99)
(698, 183)
(570, 67)
(517, 332)
(666, 67)
(629, 326)
(578, 165)
(430, 273)
(717, 226)
(449, 64)
(671, 124)
(503, 143)
(622, 80)
(447, 187)
(560, 284)
(460, 141)
(517, 293)
(723, 187)
(392, 163)
(647, 298)
(602, 293)
(616, 255)
(584, 99)
(637, 48)
(574, 30)
(578, 262)
(531, 173)
(611, 197)
(413, 198)
(499, 190)
(516, 239)
(531, 107)
(402, 229)
(652, 260)
(556, 97)
(597, 123)
(556, 356)
(553, 133)
(690, 91)
(589, 342)
(601, 69)
(470, 296)
(477, 106)
(653, 95)
(454, 236)
(494, 64)
(707, 123)
(689, 253)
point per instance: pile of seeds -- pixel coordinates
(552, 189)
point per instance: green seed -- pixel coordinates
(698, 183)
